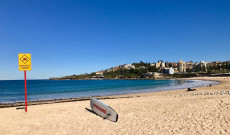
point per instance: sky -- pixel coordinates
(67, 37)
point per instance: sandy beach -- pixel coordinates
(167, 112)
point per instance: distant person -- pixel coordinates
(189, 89)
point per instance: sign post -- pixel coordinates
(24, 61)
(25, 91)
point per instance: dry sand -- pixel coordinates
(168, 112)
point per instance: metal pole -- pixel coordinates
(25, 92)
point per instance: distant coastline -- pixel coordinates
(160, 77)
(159, 70)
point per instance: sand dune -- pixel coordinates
(168, 112)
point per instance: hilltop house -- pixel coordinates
(128, 66)
(168, 71)
(99, 73)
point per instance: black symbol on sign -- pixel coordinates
(25, 59)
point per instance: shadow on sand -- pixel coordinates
(89, 110)
(18, 108)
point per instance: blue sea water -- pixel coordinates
(13, 90)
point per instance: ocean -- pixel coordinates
(13, 90)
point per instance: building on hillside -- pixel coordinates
(168, 71)
(182, 66)
(216, 62)
(99, 73)
(173, 64)
(175, 70)
(116, 68)
(160, 64)
(195, 67)
(152, 64)
(167, 64)
(189, 65)
(157, 65)
(156, 75)
(128, 66)
(202, 66)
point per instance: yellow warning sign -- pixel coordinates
(24, 61)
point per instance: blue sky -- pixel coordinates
(68, 37)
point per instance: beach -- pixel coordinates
(166, 112)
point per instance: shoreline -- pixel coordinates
(129, 95)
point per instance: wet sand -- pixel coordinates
(167, 112)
